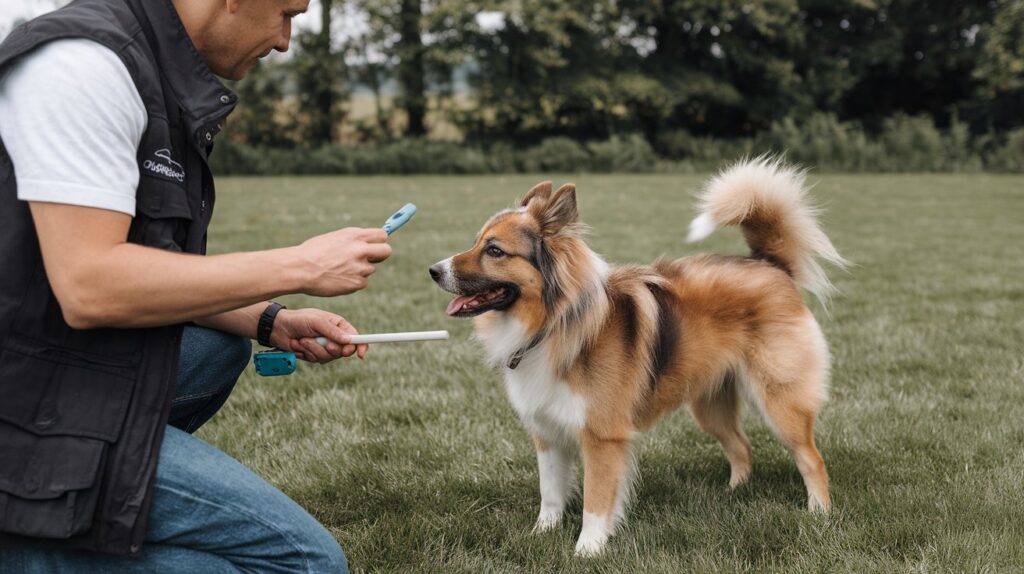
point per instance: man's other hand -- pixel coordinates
(296, 330)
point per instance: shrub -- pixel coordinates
(822, 141)
(1006, 152)
(819, 141)
(702, 152)
(632, 154)
(554, 154)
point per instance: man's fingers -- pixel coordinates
(320, 353)
(337, 330)
(367, 234)
(377, 252)
(374, 235)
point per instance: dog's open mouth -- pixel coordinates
(495, 299)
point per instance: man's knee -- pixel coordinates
(330, 557)
(236, 352)
(222, 354)
(320, 552)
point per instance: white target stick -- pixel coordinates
(393, 337)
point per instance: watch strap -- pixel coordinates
(266, 323)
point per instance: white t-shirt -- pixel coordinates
(72, 120)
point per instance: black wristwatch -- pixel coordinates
(266, 324)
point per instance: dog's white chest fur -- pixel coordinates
(546, 405)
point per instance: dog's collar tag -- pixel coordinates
(517, 357)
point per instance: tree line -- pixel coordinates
(523, 71)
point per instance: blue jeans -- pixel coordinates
(210, 514)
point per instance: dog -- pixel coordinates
(593, 354)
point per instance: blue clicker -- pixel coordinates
(399, 218)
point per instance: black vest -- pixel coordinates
(83, 412)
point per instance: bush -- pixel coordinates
(1004, 153)
(824, 142)
(819, 141)
(554, 154)
(632, 154)
(702, 152)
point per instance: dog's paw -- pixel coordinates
(596, 531)
(547, 520)
(588, 546)
(818, 506)
(738, 477)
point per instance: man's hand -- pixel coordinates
(342, 261)
(297, 330)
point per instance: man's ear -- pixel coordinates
(559, 211)
(541, 192)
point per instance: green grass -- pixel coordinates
(415, 461)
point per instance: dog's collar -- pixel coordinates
(517, 357)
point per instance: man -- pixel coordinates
(108, 111)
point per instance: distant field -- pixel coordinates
(415, 461)
(362, 109)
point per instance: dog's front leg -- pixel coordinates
(607, 478)
(555, 465)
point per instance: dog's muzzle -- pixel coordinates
(441, 273)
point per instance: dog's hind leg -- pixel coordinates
(794, 425)
(608, 470)
(718, 413)
(557, 469)
(788, 380)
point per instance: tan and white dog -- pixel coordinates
(593, 355)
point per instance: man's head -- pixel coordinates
(231, 35)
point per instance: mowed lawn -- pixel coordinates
(415, 461)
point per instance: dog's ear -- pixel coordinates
(541, 192)
(559, 211)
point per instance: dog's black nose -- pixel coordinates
(435, 271)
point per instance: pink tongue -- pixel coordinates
(458, 302)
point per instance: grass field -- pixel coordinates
(416, 462)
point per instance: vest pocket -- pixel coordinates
(49, 485)
(162, 215)
(59, 415)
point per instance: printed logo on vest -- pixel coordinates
(165, 166)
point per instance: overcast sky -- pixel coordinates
(13, 10)
(345, 24)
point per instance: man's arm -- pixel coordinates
(241, 321)
(100, 280)
(294, 330)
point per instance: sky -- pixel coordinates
(13, 10)
(346, 23)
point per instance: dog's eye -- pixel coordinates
(495, 251)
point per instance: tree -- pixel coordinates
(257, 121)
(320, 80)
(411, 69)
(545, 69)
(723, 68)
(1000, 70)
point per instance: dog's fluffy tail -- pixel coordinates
(767, 199)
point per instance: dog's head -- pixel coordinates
(524, 261)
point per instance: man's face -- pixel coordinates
(248, 31)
